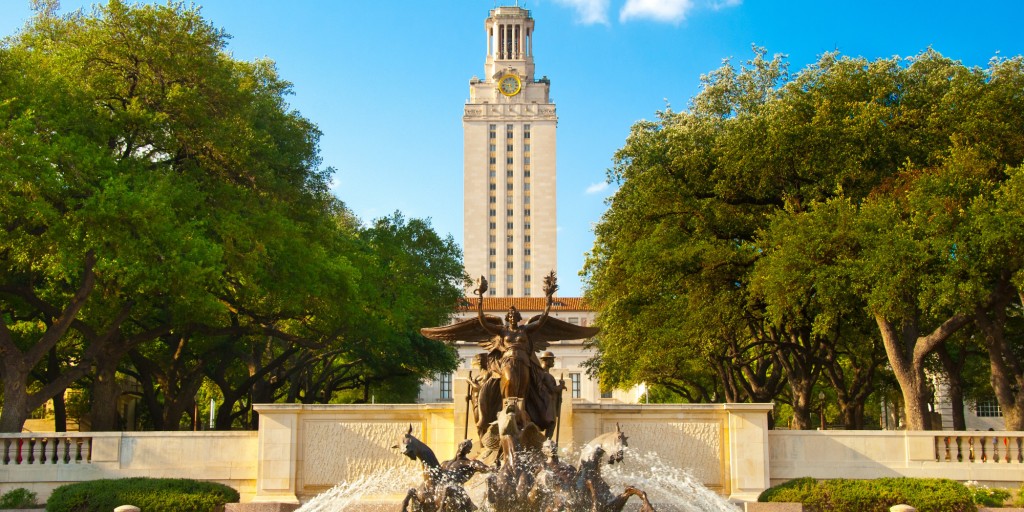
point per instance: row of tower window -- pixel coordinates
(510, 212)
(509, 264)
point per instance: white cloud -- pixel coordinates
(588, 12)
(672, 11)
(597, 187)
(658, 10)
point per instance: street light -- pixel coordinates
(821, 400)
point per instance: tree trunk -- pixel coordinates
(1007, 370)
(60, 411)
(907, 351)
(16, 409)
(106, 392)
(955, 381)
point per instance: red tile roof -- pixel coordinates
(526, 304)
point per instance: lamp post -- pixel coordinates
(821, 400)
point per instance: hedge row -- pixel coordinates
(149, 494)
(842, 495)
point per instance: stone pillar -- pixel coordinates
(278, 453)
(748, 450)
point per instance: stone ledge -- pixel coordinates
(261, 507)
(754, 506)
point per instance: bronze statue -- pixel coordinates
(515, 403)
(512, 367)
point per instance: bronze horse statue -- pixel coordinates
(442, 488)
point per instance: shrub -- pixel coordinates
(793, 491)
(841, 495)
(18, 498)
(1019, 502)
(149, 494)
(988, 497)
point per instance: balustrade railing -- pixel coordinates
(38, 449)
(980, 447)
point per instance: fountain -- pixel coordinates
(515, 407)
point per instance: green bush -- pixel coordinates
(793, 491)
(149, 494)
(841, 495)
(18, 498)
(1019, 502)
(988, 497)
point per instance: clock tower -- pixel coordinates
(509, 163)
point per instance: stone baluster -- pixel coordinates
(49, 450)
(970, 444)
(949, 457)
(7, 456)
(959, 449)
(983, 441)
(86, 454)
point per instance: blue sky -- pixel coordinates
(386, 81)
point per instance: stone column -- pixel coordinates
(278, 453)
(748, 450)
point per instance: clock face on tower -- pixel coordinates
(509, 85)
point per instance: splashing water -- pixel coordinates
(381, 486)
(670, 489)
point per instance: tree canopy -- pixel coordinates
(792, 228)
(166, 216)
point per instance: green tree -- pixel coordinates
(132, 211)
(734, 203)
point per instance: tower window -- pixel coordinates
(508, 127)
(494, 225)
(509, 213)
(492, 173)
(526, 173)
(508, 186)
(493, 212)
(493, 134)
(494, 186)
(526, 159)
(525, 251)
(494, 147)
(510, 291)
(508, 264)
(526, 238)
(495, 127)
(526, 212)
(508, 225)
(494, 159)
(510, 173)
(494, 199)
(508, 135)
(509, 252)
(494, 264)
(508, 160)
(526, 186)
(526, 135)
(446, 386)
(526, 148)
(526, 264)
(526, 278)
(493, 239)
(574, 379)
(510, 147)
(526, 225)
(493, 251)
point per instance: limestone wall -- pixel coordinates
(991, 458)
(43, 462)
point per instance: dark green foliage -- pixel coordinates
(18, 498)
(793, 491)
(989, 497)
(149, 494)
(841, 495)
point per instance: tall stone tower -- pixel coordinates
(509, 163)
